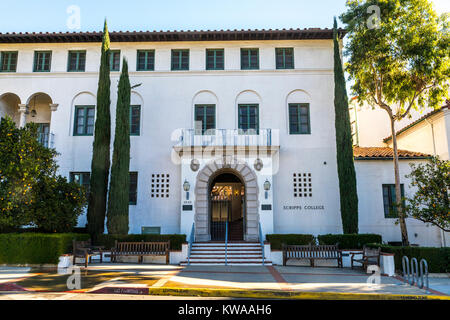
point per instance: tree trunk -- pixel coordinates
(398, 194)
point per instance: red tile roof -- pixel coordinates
(157, 36)
(382, 153)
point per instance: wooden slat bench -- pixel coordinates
(140, 249)
(312, 252)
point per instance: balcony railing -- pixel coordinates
(228, 137)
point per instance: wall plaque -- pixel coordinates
(266, 207)
(187, 207)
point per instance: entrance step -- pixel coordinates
(238, 253)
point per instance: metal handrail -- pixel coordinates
(261, 242)
(226, 242)
(191, 241)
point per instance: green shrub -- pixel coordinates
(349, 241)
(438, 259)
(36, 248)
(276, 240)
(108, 240)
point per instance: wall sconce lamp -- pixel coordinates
(186, 187)
(267, 188)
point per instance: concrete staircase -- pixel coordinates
(238, 253)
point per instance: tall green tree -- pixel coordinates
(399, 60)
(344, 145)
(101, 147)
(118, 200)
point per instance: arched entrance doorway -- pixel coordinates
(227, 205)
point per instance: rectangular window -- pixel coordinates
(249, 59)
(180, 59)
(43, 133)
(389, 199)
(215, 59)
(42, 61)
(77, 61)
(145, 60)
(205, 118)
(284, 58)
(299, 118)
(135, 120)
(114, 60)
(8, 61)
(249, 118)
(84, 121)
(133, 188)
(81, 178)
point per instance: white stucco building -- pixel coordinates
(233, 126)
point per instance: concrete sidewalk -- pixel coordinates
(148, 278)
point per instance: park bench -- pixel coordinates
(312, 252)
(370, 257)
(140, 249)
(85, 249)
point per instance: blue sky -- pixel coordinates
(51, 15)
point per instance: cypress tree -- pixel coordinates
(118, 200)
(344, 146)
(101, 147)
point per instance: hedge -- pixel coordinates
(108, 240)
(349, 241)
(36, 248)
(438, 259)
(276, 240)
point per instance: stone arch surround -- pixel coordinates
(204, 179)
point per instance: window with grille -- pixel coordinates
(284, 58)
(77, 61)
(389, 200)
(135, 120)
(205, 118)
(248, 120)
(299, 118)
(302, 185)
(145, 60)
(160, 185)
(114, 60)
(133, 188)
(180, 59)
(249, 59)
(42, 61)
(8, 61)
(81, 178)
(215, 59)
(84, 121)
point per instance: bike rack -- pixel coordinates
(415, 276)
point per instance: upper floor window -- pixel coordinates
(205, 118)
(42, 61)
(249, 118)
(84, 121)
(299, 120)
(249, 59)
(180, 59)
(77, 61)
(8, 61)
(215, 59)
(132, 193)
(114, 60)
(389, 200)
(145, 60)
(284, 58)
(135, 120)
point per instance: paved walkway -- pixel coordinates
(138, 278)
